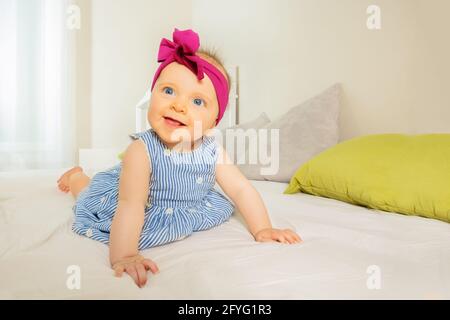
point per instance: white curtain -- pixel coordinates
(37, 118)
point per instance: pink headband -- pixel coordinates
(182, 50)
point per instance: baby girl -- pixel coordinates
(151, 198)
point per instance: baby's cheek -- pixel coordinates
(208, 118)
(152, 114)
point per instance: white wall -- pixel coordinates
(394, 79)
(83, 76)
(125, 40)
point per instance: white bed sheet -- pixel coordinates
(341, 242)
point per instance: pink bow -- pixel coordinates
(182, 50)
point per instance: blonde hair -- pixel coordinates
(214, 58)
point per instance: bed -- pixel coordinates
(349, 252)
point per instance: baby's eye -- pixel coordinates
(168, 90)
(199, 102)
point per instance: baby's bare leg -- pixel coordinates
(77, 182)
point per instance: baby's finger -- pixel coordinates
(296, 236)
(293, 235)
(289, 237)
(279, 237)
(142, 274)
(118, 271)
(131, 270)
(149, 264)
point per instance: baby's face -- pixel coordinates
(178, 102)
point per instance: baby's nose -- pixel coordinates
(179, 107)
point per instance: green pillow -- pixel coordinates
(390, 172)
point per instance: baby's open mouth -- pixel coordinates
(174, 122)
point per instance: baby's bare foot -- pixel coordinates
(63, 181)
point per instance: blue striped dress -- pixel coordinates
(181, 196)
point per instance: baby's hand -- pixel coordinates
(284, 236)
(136, 267)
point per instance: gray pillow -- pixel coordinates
(232, 149)
(304, 131)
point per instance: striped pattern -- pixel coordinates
(182, 198)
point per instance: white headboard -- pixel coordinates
(230, 118)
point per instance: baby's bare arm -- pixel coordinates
(133, 191)
(242, 193)
(249, 202)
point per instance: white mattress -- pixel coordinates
(341, 242)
